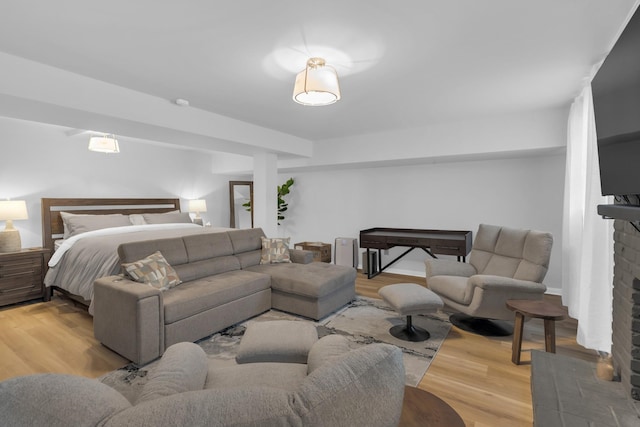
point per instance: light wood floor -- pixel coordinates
(473, 374)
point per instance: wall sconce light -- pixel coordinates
(104, 144)
(317, 84)
(10, 237)
(197, 206)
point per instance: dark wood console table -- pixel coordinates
(441, 242)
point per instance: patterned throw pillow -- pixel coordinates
(275, 250)
(153, 270)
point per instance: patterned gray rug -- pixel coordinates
(363, 321)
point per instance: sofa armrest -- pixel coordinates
(301, 256)
(129, 318)
(448, 267)
(58, 400)
(505, 284)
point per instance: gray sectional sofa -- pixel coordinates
(223, 284)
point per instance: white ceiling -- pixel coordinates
(401, 63)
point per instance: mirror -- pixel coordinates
(240, 192)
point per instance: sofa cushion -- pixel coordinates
(275, 250)
(285, 376)
(207, 267)
(172, 249)
(370, 379)
(314, 280)
(153, 270)
(249, 259)
(183, 368)
(57, 400)
(325, 350)
(239, 406)
(209, 245)
(246, 240)
(516, 253)
(454, 288)
(200, 295)
(284, 341)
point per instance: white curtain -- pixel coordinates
(587, 238)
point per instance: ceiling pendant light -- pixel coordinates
(317, 84)
(104, 144)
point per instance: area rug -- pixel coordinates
(363, 321)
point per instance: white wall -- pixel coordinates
(38, 160)
(520, 192)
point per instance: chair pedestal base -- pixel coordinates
(481, 326)
(408, 332)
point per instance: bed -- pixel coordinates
(84, 245)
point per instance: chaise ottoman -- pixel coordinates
(310, 290)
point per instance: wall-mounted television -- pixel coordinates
(616, 102)
(619, 158)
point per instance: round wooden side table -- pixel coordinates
(539, 309)
(421, 408)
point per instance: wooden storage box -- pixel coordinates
(321, 251)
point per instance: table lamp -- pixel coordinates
(10, 237)
(197, 206)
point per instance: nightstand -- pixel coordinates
(22, 275)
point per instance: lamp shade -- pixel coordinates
(10, 237)
(199, 205)
(317, 84)
(104, 144)
(13, 209)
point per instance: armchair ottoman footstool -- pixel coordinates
(284, 341)
(408, 299)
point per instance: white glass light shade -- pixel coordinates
(13, 209)
(317, 84)
(199, 205)
(104, 144)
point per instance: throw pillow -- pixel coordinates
(153, 270)
(275, 250)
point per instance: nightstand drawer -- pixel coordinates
(21, 267)
(21, 287)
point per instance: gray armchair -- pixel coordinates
(504, 263)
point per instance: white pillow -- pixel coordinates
(137, 219)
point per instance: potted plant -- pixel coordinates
(283, 190)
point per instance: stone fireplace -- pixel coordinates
(626, 306)
(567, 392)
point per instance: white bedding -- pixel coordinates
(82, 259)
(67, 244)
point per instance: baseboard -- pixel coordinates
(399, 271)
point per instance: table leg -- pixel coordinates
(550, 335)
(516, 345)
